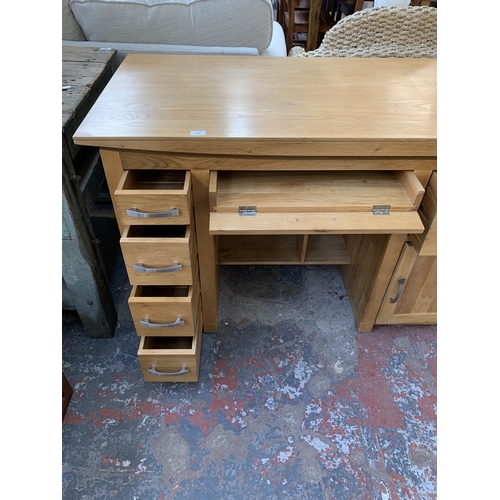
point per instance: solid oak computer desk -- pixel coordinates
(254, 160)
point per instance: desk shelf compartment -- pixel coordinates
(314, 191)
(164, 310)
(282, 249)
(332, 202)
(154, 197)
(160, 255)
(171, 359)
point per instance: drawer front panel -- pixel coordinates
(159, 260)
(165, 311)
(171, 359)
(161, 198)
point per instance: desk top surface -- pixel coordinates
(248, 105)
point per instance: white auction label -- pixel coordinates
(197, 132)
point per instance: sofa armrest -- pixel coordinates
(277, 47)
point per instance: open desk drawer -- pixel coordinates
(165, 311)
(171, 359)
(159, 255)
(333, 202)
(154, 197)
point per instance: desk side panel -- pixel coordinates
(208, 252)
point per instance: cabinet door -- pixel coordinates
(411, 296)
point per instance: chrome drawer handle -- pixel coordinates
(143, 269)
(165, 374)
(401, 282)
(145, 322)
(133, 212)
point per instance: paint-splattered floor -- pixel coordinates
(292, 402)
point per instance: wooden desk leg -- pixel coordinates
(208, 255)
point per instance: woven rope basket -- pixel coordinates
(380, 32)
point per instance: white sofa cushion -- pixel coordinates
(224, 23)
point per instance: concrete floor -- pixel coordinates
(292, 402)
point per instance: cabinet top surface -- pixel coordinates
(202, 102)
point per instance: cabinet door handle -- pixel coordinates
(165, 374)
(401, 282)
(145, 322)
(143, 269)
(133, 212)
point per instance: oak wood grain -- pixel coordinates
(157, 102)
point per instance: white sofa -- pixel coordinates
(227, 27)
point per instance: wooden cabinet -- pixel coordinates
(411, 297)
